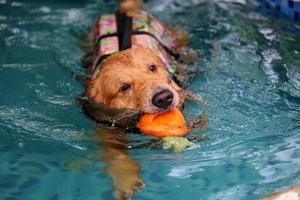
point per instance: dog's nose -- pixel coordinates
(163, 99)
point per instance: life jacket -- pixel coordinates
(146, 31)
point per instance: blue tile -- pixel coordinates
(291, 4)
(278, 7)
(296, 16)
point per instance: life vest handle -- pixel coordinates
(124, 30)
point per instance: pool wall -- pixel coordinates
(290, 8)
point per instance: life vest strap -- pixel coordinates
(103, 37)
(167, 49)
(100, 59)
(124, 30)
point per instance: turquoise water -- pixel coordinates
(249, 77)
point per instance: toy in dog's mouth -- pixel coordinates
(169, 126)
(160, 125)
(169, 123)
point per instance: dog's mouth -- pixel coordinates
(161, 110)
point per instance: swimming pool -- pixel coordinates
(249, 78)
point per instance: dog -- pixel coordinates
(136, 64)
(139, 77)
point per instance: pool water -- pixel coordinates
(249, 77)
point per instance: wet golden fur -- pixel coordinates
(132, 67)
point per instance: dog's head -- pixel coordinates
(135, 79)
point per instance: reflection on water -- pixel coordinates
(250, 79)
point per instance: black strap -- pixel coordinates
(124, 30)
(101, 58)
(167, 49)
(103, 37)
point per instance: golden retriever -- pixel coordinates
(135, 79)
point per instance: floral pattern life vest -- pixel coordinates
(157, 40)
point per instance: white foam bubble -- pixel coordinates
(184, 171)
(270, 55)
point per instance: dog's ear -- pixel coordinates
(94, 91)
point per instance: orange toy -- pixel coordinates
(170, 123)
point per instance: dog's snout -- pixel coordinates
(163, 99)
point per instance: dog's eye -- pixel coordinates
(152, 68)
(125, 87)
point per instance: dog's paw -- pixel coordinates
(125, 174)
(125, 188)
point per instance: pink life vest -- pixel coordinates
(151, 35)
